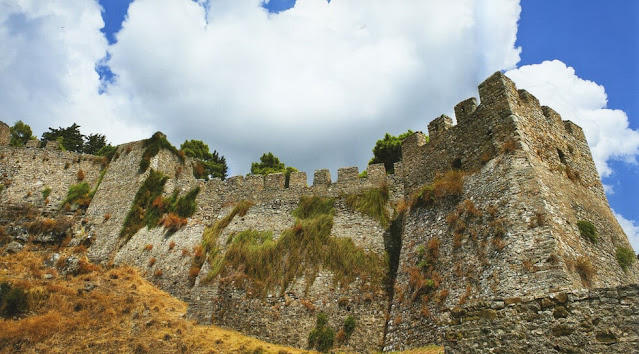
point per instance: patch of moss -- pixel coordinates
(588, 230)
(372, 202)
(152, 147)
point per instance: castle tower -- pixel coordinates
(499, 203)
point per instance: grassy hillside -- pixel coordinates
(104, 310)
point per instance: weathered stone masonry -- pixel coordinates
(508, 245)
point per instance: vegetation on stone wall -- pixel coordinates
(346, 332)
(152, 147)
(423, 278)
(312, 206)
(151, 209)
(45, 192)
(299, 252)
(80, 195)
(322, 336)
(626, 257)
(372, 202)
(449, 184)
(588, 230)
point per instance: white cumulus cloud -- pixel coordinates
(316, 84)
(48, 53)
(585, 103)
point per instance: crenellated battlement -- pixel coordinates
(261, 187)
(505, 116)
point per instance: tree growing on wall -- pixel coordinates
(72, 139)
(389, 150)
(270, 163)
(209, 164)
(93, 143)
(20, 134)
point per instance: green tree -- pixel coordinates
(108, 151)
(20, 134)
(72, 139)
(93, 143)
(210, 164)
(268, 164)
(389, 150)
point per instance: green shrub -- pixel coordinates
(13, 300)
(45, 192)
(626, 257)
(149, 206)
(185, 206)
(588, 230)
(349, 325)
(108, 151)
(322, 336)
(78, 194)
(371, 202)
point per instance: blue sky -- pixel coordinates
(299, 78)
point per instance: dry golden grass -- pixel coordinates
(122, 313)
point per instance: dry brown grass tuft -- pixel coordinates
(509, 146)
(586, 271)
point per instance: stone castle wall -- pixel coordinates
(604, 320)
(511, 233)
(5, 134)
(27, 172)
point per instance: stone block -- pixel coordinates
(376, 173)
(254, 182)
(235, 181)
(346, 174)
(297, 180)
(412, 143)
(322, 177)
(53, 145)
(5, 134)
(464, 110)
(34, 143)
(499, 94)
(274, 181)
(438, 126)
